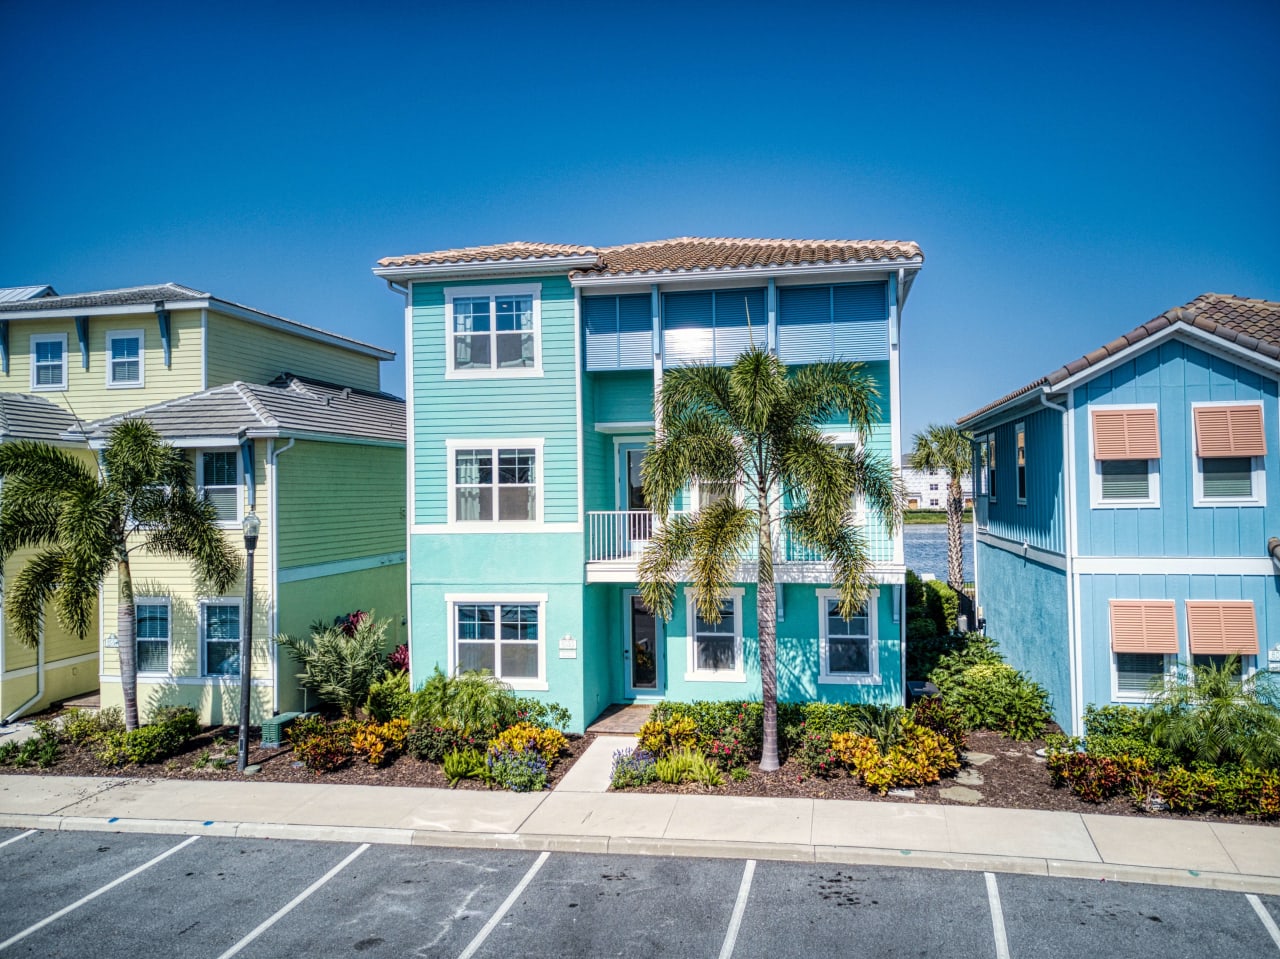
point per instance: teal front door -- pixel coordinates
(642, 650)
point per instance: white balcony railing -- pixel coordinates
(621, 536)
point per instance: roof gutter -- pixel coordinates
(999, 413)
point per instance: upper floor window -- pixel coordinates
(1231, 448)
(848, 646)
(495, 483)
(1020, 436)
(933, 487)
(984, 456)
(49, 361)
(991, 466)
(124, 358)
(493, 331)
(218, 477)
(1126, 456)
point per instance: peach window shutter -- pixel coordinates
(1126, 434)
(1230, 431)
(1144, 626)
(1222, 627)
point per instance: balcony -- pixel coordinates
(616, 539)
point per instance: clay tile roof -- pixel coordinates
(497, 253)
(1251, 324)
(691, 254)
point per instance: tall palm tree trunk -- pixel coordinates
(126, 633)
(767, 626)
(955, 535)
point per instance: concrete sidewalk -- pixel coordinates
(1241, 858)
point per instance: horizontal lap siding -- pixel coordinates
(340, 501)
(526, 407)
(87, 395)
(1097, 590)
(1040, 521)
(256, 354)
(1175, 375)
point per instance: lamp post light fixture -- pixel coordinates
(251, 526)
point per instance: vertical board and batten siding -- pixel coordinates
(1040, 521)
(712, 326)
(841, 322)
(618, 332)
(1025, 604)
(238, 350)
(339, 501)
(1097, 590)
(1173, 376)
(514, 407)
(87, 395)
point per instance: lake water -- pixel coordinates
(925, 549)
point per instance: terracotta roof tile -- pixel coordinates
(1249, 323)
(685, 254)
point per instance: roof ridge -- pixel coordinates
(259, 410)
(132, 289)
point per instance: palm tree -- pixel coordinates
(83, 523)
(756, 427)
(949, 449)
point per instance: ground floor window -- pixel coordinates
(152, 630)
(847, 646)
(1137, 672)
(220, 637)
(499, 636)
(715, 649)
(1218, 660)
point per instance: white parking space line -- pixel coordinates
(292, 903)
(510, 901)
(13, 839)
(997, 917)
(1265, 916)
(739, 908)
(94, 895)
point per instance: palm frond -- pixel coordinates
(136, 456)
(757, 385)
(844, 546)
(942, 447)
(184, 526)
(28, 593)
(821, 392)
(670, 548)
(722, 534)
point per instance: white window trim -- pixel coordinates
(1248, 663)
(493, 373)
(991, 467)
(168, 604)
(199, 455)
(1259, 478)
(1020, 433)
(524, 684)
(694, 675)
(1119, 696)
(1152, 499)
(238, 603)
(112, 384)
(538, 444)
(873, 658)
(849, 438)
(49, 338)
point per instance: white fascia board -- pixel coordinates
(669, 277)
(1174, 565)
(65, 313)
(187, 442)
(316, 437)
(497, 268)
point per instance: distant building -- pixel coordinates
(927, 489)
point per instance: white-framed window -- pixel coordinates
(153, 631)
(1125, 455)
(218, 478)
(124, 359)
(220, 625)
(1244, 664)
(715, 649)
(48, 361)
(493, 331)
(847, 647)
(495, 482)
(933, 487)
(1020, 462)
(502, 634)
(1132, 675)
(934, 501)
(991, 466)
(1230, 448)
(984, 457)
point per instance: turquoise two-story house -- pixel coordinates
(1128, 504)
(532, 374)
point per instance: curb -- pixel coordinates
(636, 846)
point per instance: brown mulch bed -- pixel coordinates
(1014, 779)
(277, 765)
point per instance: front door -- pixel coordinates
(643, 651)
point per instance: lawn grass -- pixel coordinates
(916, 517)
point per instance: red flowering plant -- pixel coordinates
(350, 622)
(398, 659)
(734, 746)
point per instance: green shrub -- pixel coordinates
(989, 693)
(460, 764)
(663, 737)
(815, 754)
(341, 663)
(390, 697)
(947, 721)
(170, 730)
(943, 604)
(925, 650)
(474, 702)
(519, 771)
(1131, 721)
(325, 750)
(687, 765)
(433, 743)
(546, 715)
(39, 750)
(739, 774)
(83, 727)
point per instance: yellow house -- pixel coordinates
(69, 364)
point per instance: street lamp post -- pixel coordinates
(251, 526)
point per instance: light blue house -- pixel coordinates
(1126, 506)
(532, 375)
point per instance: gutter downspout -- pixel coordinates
(1273, 547)
(39, 686)
(273, 566)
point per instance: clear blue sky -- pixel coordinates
(1070, 173)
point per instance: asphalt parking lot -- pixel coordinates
(109, 895)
